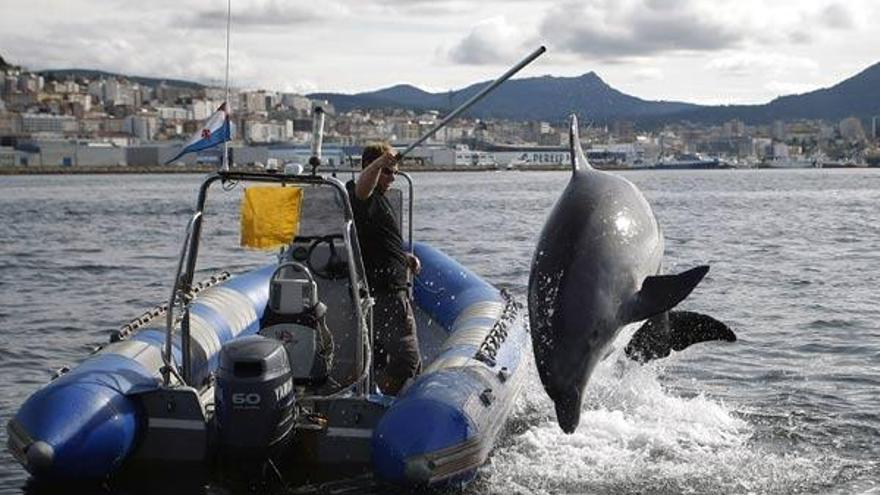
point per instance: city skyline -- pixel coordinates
(699, 52)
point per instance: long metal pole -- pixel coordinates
(228, 104)
(318, 132)
(317, 139)
(477, 97)
(167, 356)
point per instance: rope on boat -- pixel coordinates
(488, 351)
(125, 331)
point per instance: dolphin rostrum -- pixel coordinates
(597, 268)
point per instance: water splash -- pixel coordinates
(636, 435)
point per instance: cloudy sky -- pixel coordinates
(702, 51)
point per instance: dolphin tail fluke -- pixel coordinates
(675, 330)
(660, 293)
(578, 157)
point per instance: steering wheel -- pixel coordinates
(335, 267)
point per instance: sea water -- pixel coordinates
(792, 407)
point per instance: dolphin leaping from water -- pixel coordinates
(597, 268)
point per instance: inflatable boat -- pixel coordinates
(274, 365)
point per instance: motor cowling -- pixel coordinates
(254, 399)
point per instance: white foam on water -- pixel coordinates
(635, 436)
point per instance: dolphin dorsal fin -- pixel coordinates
(578, 158)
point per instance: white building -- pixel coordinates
(331, 155)
(65, 87)
(267, 132)
(174, 113)
(202, 109)
(41, 122)
(780, 150)
(71, 153)
(526, 156)
(219, 95)
(253, 101)
(460, 156)
(11, 157)
(297, 103)
(118, 92)
(96, 89)
(145, 94)
(30, 83)
(141, 126)
(83, 100)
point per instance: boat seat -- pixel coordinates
(336, 293)
(295, 316)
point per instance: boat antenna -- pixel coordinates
(477, 97)
(317, 138)
(228, 104)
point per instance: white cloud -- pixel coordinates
(492, 41)
(782, 88)
(267, 14)
(622, 30)
(698, 50)
(283, 84)
(648, 74)
(416, 8)
(762, 64)
(611, 29)
(837, 16)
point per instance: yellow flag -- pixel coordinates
(270, 216)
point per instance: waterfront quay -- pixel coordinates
(92, 121)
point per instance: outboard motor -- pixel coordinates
(254, 398)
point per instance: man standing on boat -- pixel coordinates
(395, 343)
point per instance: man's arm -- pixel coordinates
(370, 176)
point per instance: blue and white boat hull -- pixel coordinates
(89, 422)
(443, 426)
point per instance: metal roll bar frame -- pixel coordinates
(189, 256)
(183, 281)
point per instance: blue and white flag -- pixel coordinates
(215, 131)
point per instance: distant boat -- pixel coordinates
(793, 162)
(840, 164)
(691, 161)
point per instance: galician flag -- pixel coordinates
(215, 131)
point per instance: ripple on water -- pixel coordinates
(793, 257)
(634, 434)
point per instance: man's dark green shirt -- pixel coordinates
(380, 240)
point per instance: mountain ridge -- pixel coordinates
(858, 95)
(537, 98)
(61, 74)
(553, 98)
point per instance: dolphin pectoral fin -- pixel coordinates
(676, 330)
(661, 293)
